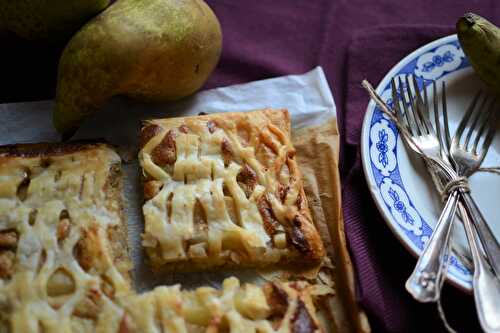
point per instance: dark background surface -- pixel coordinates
(351, 40)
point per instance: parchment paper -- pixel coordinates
(310, 103)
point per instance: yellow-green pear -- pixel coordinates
(480, 40)
(151, 50)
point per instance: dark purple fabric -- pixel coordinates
(351, 40)
(382, 264)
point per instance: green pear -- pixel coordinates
(151, 50)
(480, 40)
(47, 19)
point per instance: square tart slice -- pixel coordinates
(224, 189)
(287, 307)
(63, 246)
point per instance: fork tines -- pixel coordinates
(415, 112)
(478, 121)
(412, 109)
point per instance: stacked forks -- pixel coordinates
(451, 162)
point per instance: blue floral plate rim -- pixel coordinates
(379, 155)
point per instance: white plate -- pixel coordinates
(398, 181)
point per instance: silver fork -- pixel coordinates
(467, 159)
(425, 282)
(486, 284)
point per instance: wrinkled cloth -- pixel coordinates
(351, 40)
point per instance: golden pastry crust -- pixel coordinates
(45, 149)
(63, 247)
(224, 189)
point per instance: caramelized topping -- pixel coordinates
(270, 221)
(301, 201)
(169, 205)
(152, 188)
(199, 215)
(8, 243)
(32, 217)
(124, 325)
(225, 190)
(147, 133)
(89, 307)
(63, 229)
(88, 250)
(165, 152)
(8, 239)
(227, 152)
(211, 126)
(247, 179)
(277, 299)
(22, 189)
(41, 260)
(283, 191)
(6, 264)
(183, 129)
(297, 236)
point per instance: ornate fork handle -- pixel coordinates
(488, 240)
(485, 282)
(425, 282)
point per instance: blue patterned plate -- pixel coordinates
(398, 180)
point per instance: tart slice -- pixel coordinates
(63, 247)
(224, 190)
(275, 307)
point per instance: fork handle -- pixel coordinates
(485, 284)
(425, 283)
(488, 240)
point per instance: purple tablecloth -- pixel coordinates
(351, 40)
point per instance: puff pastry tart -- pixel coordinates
(224, 189)
(63, 252)
(274, 307)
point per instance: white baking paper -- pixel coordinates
(307, 97)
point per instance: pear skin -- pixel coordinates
(155, 50)
(480, 40)
(48, 20)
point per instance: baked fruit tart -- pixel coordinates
(224, 190)
(274, 307)
(63, 241)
